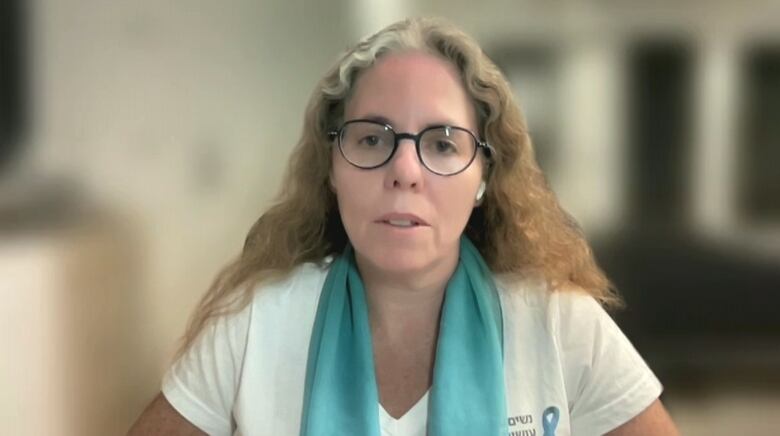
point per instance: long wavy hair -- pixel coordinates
(520, 229)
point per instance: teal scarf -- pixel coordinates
(467, 396)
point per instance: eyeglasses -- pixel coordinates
(443, 150)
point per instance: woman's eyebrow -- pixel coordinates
(385, 120)
(377, 118)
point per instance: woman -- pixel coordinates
(416, 275)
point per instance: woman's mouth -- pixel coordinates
(401, 223)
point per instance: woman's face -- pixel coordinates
(410, 92)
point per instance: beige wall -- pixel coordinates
(179, 117)
(173, 120)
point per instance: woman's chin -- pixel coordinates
(393, 264)
(397, 262)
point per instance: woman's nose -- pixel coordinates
(405, 169)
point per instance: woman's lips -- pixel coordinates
(402, 220)
(401, 223)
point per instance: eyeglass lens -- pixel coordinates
(444, 150)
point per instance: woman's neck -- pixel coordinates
(404, 305)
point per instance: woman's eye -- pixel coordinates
(371, 140)
(445, 147)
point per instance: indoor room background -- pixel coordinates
(141, 139)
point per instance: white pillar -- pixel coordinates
(369, 16)
(714, 158)
(592, 159)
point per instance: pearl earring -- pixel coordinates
(481, 191)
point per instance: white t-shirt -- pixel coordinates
(245, 373)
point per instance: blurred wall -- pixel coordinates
(174, 120)
(179, 115)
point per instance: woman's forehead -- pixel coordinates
(414, 86)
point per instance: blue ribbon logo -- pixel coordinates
(550, 420)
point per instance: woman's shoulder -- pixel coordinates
(304, 281)
(533, 304)
(537, 293)
(269, 299)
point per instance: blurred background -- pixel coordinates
(140, 140)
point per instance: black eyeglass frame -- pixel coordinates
(398, 136)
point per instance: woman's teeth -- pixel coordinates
(401, 223)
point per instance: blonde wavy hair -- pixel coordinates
(520, 229)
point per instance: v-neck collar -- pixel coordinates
(412, 423)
